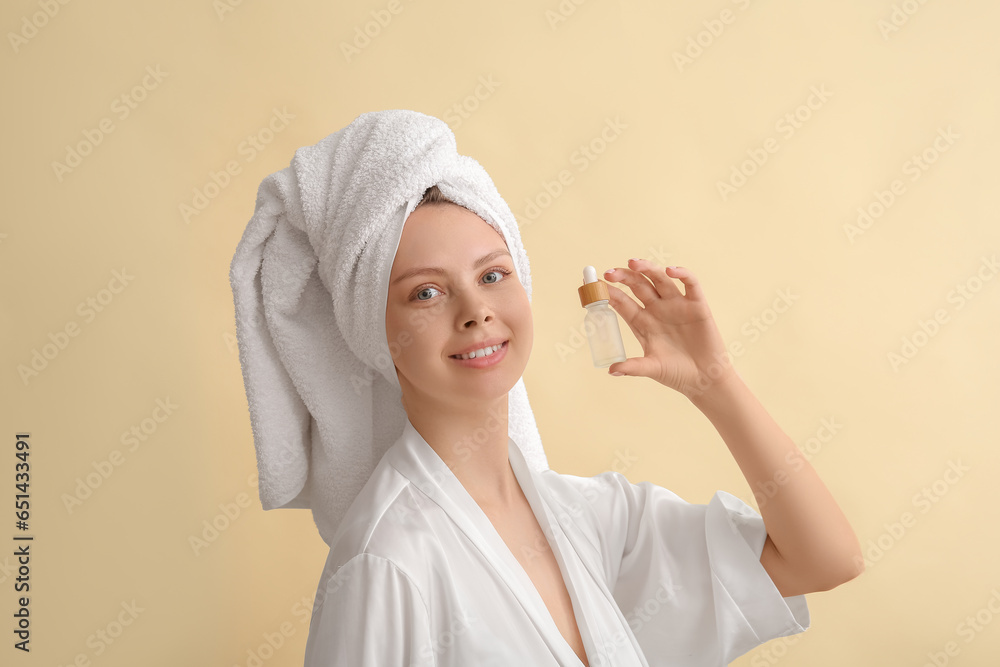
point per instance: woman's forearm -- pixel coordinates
(818, 548)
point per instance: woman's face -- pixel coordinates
(464, 302)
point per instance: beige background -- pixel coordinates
(524, 88)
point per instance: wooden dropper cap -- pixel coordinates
(592, 289)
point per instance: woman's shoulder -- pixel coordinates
(382, 526)
(602, 487)
(566, 487)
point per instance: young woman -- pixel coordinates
(457, 553)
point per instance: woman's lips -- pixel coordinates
(484, 362)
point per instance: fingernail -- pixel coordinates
(616, 373)
(609, 271)
(634, 259)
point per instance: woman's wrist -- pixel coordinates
(714, 394)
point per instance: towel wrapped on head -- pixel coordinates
(310, 278)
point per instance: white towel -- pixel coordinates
(310, 278)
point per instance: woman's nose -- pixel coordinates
(475, 308)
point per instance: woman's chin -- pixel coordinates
(485, 388)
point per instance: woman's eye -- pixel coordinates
(500, 271)
(426, 289)
(503, 272)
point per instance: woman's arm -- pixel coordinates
(810, 544)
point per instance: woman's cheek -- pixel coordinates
(421, 317)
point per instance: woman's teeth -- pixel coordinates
(482, 352)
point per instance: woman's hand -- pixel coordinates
(681, 343)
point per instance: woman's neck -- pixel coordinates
(474, 446)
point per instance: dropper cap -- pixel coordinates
(592, 289)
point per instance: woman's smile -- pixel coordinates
(488, 359)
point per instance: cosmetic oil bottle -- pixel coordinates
(601, 321)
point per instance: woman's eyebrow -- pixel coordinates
(437, 270)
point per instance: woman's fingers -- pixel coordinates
(665, 287)
(641, 288)
(636, 281)
(647, 280)
(626, 306)
(692, 287)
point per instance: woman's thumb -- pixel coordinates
(635, 366)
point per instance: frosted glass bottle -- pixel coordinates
(601, 321)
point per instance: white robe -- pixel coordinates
(417, 575)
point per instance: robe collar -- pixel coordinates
(415, 459)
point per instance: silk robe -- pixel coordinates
(418, 576)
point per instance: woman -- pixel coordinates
(457, 553)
